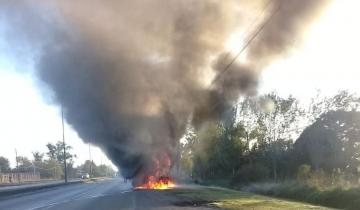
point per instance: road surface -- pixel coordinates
(103, 195)
(28, 186)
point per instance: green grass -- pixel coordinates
(332, 197)
(231, 199)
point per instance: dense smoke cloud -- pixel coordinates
(290, 19)
(130, 74)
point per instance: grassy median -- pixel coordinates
(231, 199)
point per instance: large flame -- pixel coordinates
(157, 177)
(163, 183)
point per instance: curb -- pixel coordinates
(35, 188)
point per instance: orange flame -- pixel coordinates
(163, 183)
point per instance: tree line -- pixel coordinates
(272, 138)
(50, 165)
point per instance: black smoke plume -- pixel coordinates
(131, 73)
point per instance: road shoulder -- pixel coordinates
(230, 199)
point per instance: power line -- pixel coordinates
(251, 25)
(247, 44)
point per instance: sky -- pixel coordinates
(28, 122)
(326, 60)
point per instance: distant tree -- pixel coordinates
(38, 156)
(89, 167)
(205, 160)
(275, 122)
(187, 152)
(217, 150)
(4, 165)
(343, 100)
(72, 171)
(56, 154)
(258, 135)
(231, 148)
(24, 164)
(96, 171)
(56, 151)
(252, 136)
(46, 168)
(332, 143)
(52, 169)
(53, 151)
(103, 171)
(248, 114)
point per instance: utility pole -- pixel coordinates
(90, 160)
(17, 160)
(33, 168)
(63, 135)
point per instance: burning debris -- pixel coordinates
(153, 183)
(130, 73)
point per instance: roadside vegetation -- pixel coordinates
(307, 151)
(235, 200)
(50, 165)
(339, 197)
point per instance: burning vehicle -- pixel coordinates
(157, 176)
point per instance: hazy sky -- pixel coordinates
(327, 60)
(28, 123)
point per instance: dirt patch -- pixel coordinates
(192, 203)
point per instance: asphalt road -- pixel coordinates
(27, 187)
(103, 195)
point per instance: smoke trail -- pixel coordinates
(291, 19)
(129, 74)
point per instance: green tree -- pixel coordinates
(96, 171)
(231, 148)
(56, 151)
(271, 123)
(4, 165)
(205, 159)
(258, 138)
(24, 164)
(343, 100)
(52, 169)
(103, 171)
(89, 167)
(38, 156)
(332, 143)
(217, 150)
(56, 154)
(187, 151)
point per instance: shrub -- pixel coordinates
(336, 198)
(250, 173)
(303, 173)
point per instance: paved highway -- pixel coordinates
(75, 196)
(102, 195)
